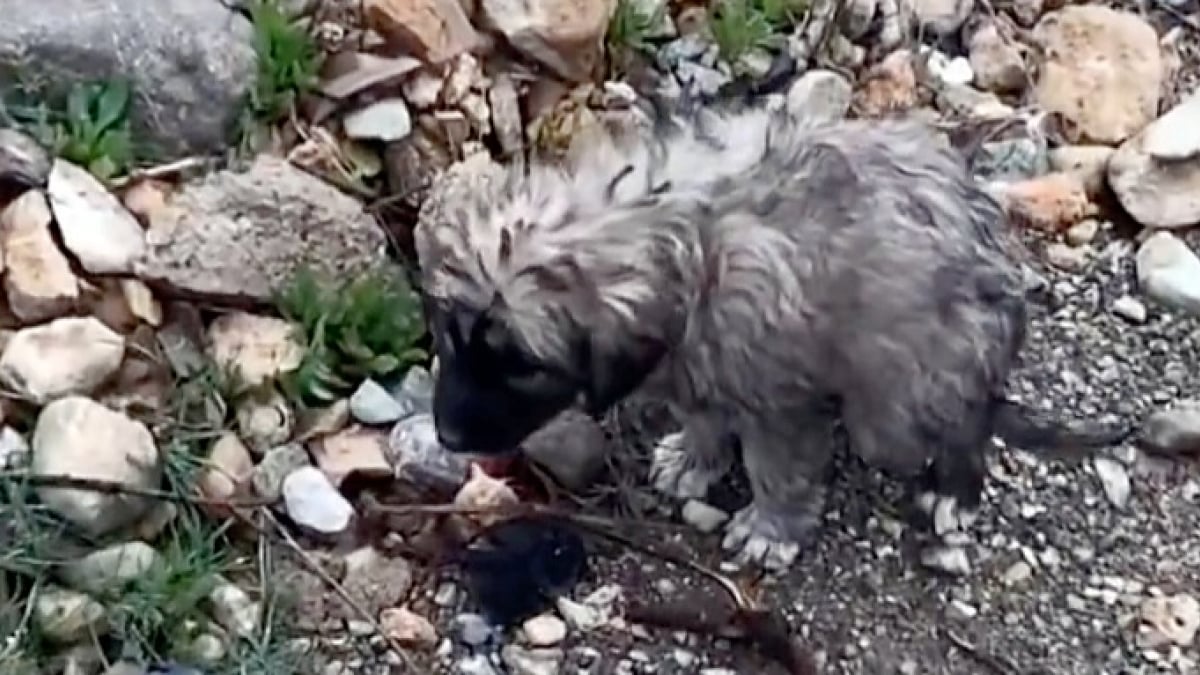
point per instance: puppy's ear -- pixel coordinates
(613, 371)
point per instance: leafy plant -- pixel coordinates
(288, 62)
(741, 26)
(631, 25)
(91, 128)
(367, 327)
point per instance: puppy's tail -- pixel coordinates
(1038, 431)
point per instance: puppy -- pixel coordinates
(770, 279)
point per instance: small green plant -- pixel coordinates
(742, 26)
(630, 27)
(782, 13)
(288, 65)
(90, 128)
(367, 327)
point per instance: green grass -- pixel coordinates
(89, 126)
(288, 64)
(742, 26)
(369, 326)
(630, 27)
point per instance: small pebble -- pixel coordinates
(545, 630)
(1130, 308)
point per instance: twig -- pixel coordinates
(168, 169)
(114, 488)
(993, 662)
(316, 569)
(523, 509)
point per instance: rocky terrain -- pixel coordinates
(216, 451)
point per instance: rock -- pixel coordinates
(235, 610)
(71, 355)
(820, 95)
(264, 419)
(376, 581)
(432, 30)
(39, 282)
(1170, 620)
(1018, 572)
(386, 120)
(888, 86)
(572, 447)
(1014, 159)
(408, 628)
(229, 465)
(416, 391)
(67, 617)
(476, 664)
(313, 502)
(14, 449)
(545, 630)
(1102, 71)
(856, 17)
(414, 451)
(1067, 258)
(355, 450)
(566, 36)
(180, 108)
(472, 630)
(220, 234)
(996, 62)
(141, 302)
(22, 160)
(579, 616)
(1050, 203)
(110, 568)
(78, 437)
(1175, 430)
(95, 227)
(276, 465)
(1089, 163)
(954, 72)
(1082, 233)
(1130, 308)
(1168, 272)
(942, 17)
(700, 79)
(1114, 480)
(947, 559)
(143, 197)
(483, 492)
(521, 661)
(257, 348)
(372, 404)
(961, 99)
(1156, 174)
(703, 517)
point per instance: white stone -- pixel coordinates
(1156, 174)
(1130, 308)
(78, 437)
(66, 616)
(313, 502)
(96, 228)
(387, 120)
(544, 630)
(1114, 480)
(819, 95)
(71, 355)
(372, 404)
(38, 279)
(1169, 272)
(258, 347)
(109, 568)
(235, 610)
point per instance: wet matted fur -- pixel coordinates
(768, 278)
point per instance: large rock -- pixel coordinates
(566, 36)
(71, 355)
(75, 436)
(189, 62)
(39, 282)
(1102, 70)
(95, 227)
(255, 348)
(242, 234)
(1169, 272)
(433, 30)
(1156, 174)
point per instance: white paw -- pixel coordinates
(671, 471)
(755, 540)
(947, 517)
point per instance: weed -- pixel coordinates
(288, 66)
(630, 27)
(367, 327)
(89, 128)
(742, 26)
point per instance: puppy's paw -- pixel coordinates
(676, 473)
(946, 517)
(761, 537)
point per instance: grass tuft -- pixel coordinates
(629, 30)
(288, 66)
(368, 327)
(741, 26)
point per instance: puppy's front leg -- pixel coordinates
(786, 459)
(686, 463)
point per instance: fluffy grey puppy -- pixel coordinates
(769, 279)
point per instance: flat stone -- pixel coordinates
(38, 281)
(95, 226)
(1156, 174)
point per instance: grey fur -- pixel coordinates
(791, 267)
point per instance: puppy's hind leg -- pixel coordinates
(686, 463)
(786, 458)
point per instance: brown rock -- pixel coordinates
(354, 450)
(408, 628)
(229, 465)
(1102, 71)
(889, 86)
(996, 61)
(39, 282)
(1051, 203)
(566, 36)
(432, 30)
